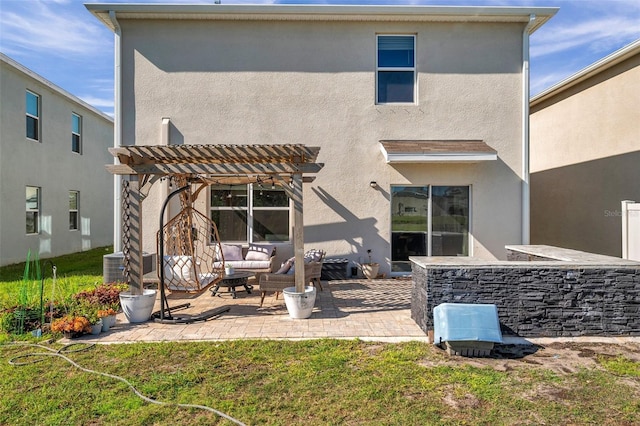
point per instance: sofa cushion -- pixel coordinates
(259, 251)
(231, 252)
(245, 264)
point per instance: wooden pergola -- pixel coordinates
(287, 165)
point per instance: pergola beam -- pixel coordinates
(137, 154)
(215, 169)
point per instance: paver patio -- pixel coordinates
(369, 310)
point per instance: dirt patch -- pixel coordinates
(459, 401)
(561, 358)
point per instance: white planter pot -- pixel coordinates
(137, 307)
(96, 328)
(370, 270)
(300, 305)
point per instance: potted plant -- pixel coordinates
(108, 317)
(71, 326)
(89, 310)
(370, 269)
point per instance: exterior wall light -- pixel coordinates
(373, 184)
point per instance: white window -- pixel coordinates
(74, 198)
(250, 213)
(33, 209)
(33, 116)
(76, 133)
(395, 69)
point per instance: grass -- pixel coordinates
(74, 272)
(319, 382)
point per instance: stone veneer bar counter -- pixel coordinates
(541, 291)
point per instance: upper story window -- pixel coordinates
(33, 116)
(74, 197)
(33, 209)
(396, 69)
(76, 133)
(250, 213)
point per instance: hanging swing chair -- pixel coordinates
(188, 245)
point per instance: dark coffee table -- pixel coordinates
(232, 281)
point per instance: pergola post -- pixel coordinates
(132, 234)
(298, 232)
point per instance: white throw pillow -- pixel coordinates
(259, 251)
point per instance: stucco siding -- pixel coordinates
(585, 151)
(51, 165)
(314, 83)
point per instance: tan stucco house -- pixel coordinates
(56, 194)
(585, 154)
(420, 112)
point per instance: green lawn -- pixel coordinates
(316, 382)
(319, 382)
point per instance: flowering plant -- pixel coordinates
(106, 312)
(71, 324)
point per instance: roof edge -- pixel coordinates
(323, 12)
(32, 74)
(597, 67)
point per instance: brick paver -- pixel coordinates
(369, 310)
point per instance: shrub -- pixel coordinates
(71, 324)
(104, 295)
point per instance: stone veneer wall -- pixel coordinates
(536, 301)
(514, 256)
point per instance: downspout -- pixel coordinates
(526, 214)
(117, 134)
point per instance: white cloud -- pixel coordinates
(598, 35)
(44, 28)
(98, 102)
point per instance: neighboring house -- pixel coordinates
(419, 112)
(56, 196)
(585, 155)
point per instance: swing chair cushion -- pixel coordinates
(179, 274)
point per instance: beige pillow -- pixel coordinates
(259, 252)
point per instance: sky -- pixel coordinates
(62, 42)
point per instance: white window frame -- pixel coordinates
(35, 117)
(404, 69)
(78, 133)
(36, 210)
(76, 211)
(250, 216)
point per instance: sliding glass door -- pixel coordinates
(428, 221)
(409, 225)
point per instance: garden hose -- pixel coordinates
(83, 347)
